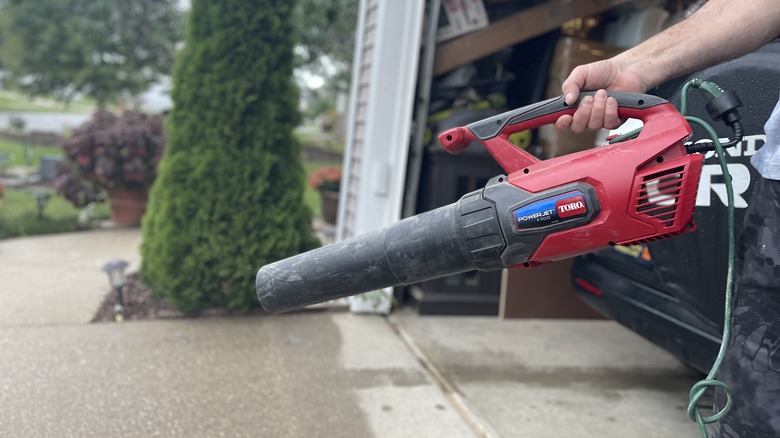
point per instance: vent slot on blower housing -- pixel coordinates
(659, 195)
(665, 195)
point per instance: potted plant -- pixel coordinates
(118, 154)
(327, 181)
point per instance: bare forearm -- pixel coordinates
(720, 30)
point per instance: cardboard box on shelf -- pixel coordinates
(542, 292)
(569, 53)
(459, 17)
(521, 26)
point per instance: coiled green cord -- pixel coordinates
(709, 90)
(698, 389)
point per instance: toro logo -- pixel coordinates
(551, 211)
(568, 207)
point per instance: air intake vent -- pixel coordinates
(659, 195)
(650, 239)
(663, 196)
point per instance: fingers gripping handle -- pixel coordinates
(539, 114)
(544, 113)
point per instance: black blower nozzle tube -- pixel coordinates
(416, 249)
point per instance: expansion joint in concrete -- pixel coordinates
(480, 427)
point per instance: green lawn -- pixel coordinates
(13, 101)
(19, 211)
(18, 153)
(19, 215)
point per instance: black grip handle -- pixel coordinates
(488, 128)
(416, 249)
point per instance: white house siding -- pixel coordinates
(379, 114)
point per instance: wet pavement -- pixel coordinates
(303, 375)
(556, 378)
(325, 373)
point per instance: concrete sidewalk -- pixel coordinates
(56, 279)
(302, 375)
(312, 374)
(328, 374)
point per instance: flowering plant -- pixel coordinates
(111, 152)
(326, 178)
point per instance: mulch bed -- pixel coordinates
(140, 303)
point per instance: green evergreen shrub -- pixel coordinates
(229, 194)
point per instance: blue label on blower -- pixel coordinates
(551, 211)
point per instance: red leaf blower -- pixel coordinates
(634, 191)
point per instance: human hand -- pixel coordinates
(597, 111)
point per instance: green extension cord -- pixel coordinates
(709, 90)
(698, 389)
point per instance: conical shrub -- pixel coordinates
(229, 194)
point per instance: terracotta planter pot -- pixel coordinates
(330, 206)
(127, 207)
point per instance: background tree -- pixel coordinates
(327, 29)
(101, 48)
(229, 195)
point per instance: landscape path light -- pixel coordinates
(115, 269)
(41, 198)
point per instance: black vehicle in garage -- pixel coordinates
(672, 292)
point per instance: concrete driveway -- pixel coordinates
(311, 374)
(555, 378)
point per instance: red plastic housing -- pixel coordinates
(646, 187)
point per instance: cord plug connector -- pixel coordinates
(724, 107)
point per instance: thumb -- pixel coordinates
(573, 85)
(571, 96)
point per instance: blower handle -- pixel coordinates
(494, 131)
